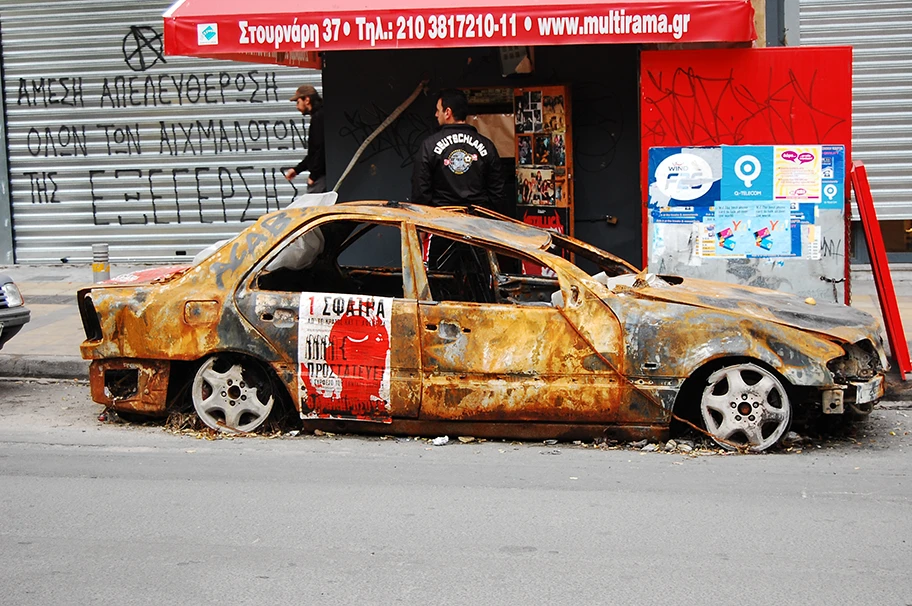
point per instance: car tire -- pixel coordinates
(233, 394)
(745, 406)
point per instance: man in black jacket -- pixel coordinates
(309, 102)
(457, 165)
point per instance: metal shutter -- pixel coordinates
(881, 36)
(109, 141)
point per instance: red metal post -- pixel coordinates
(882, 278)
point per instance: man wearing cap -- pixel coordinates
(457, 166)
(309, 102)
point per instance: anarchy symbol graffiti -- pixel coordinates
(142, 48)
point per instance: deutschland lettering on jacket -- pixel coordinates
(460, 138)
(458, 166)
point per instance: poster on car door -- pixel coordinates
(344, 357)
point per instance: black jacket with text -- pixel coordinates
(458, 166)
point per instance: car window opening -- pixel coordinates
(345, 257)
(464, 272)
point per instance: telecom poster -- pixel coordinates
(747, 200)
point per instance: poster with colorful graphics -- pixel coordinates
(796, 172)
(747, 172)
(554, 219)
(748, 229)
(805, 231)
(344, 357)
(833, 176)
(724, 190)
(684, 176)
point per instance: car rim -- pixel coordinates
(231, 399)
(745, 406)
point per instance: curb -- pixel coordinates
(43, 367)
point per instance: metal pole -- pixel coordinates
(101, 266)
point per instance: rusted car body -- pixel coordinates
(416, 320)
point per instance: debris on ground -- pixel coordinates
(109, 415)
(466, 439)
(441, 441)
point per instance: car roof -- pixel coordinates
(507, 234)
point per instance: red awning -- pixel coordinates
(283, 30)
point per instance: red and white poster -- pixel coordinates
(553, 219)
(344, 356)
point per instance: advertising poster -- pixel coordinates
(344, 356)
(797, 173)
(684, 184)
(833, 176)
(753, 229)
(748, 200)
(805, 231)
(747, 172)
(554, 219)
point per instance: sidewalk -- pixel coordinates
(48, 346)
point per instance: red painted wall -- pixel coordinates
(759, 96)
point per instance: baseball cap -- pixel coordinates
(305, 90)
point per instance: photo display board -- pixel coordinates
(544, 158)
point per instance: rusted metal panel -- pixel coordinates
(405, 361)
(511, 363)
(835, 320)
(499, 430)
(131, 385)
(656, 347)
(201, 313)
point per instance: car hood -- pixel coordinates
(839, 321)
(153, 275)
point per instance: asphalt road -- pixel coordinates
(94, 513)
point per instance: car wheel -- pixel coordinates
(232, 394)
(745, 406)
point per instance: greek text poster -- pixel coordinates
(344, 356)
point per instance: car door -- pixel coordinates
(339, 320)
(495, 348)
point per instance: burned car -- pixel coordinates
(405, 319)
